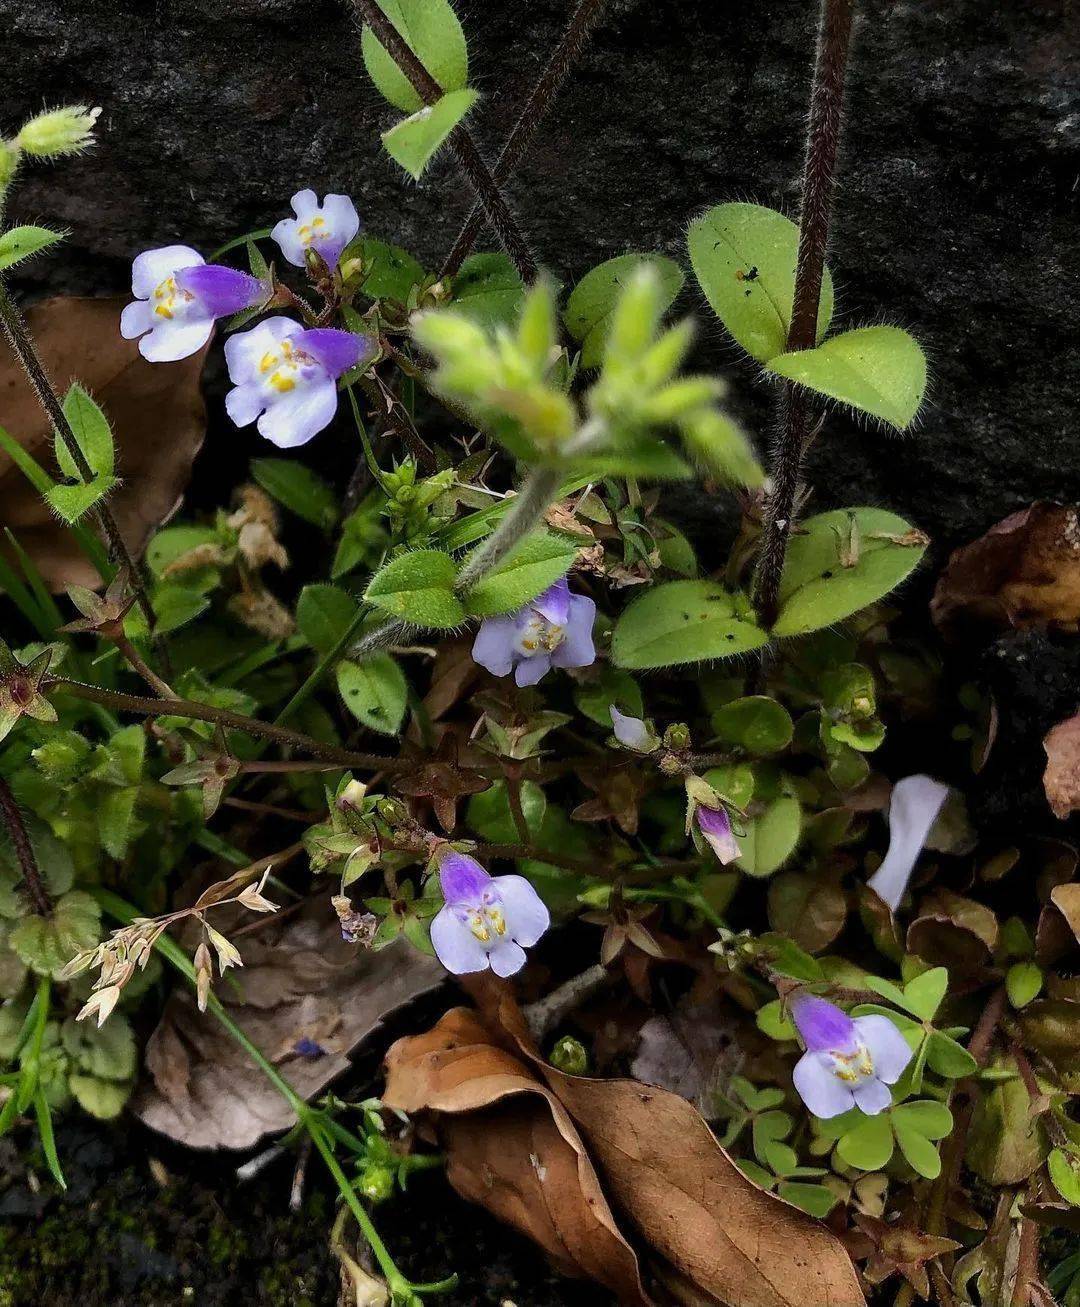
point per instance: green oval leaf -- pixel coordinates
(878, 370)
(588, 310)
(20, 242)
(818, 590)
(389, 272)
(925, 1116)
(416, 140)
(488, 290)
(298, 489)
(539, 561)
(375, 692)
(920, 1153)
(91, 429)
(433, 32)
(757, 723)
(323, 614)
(744, 258)
(770, 837)
(684, 622)
(418, 587)
(869, 1145)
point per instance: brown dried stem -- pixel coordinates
(24, 851)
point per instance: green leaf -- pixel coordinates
(772, 1022)
(435, 36)
(948, 1058)
(418, 587)
(878, 370)
(115, 813)
(175, 605)
(529, 569)
(20, 242)
(415, 140)
(174, 542)
(757, 723)
(925, 1116)
(744, 257)
(920, 1153)
(91, 429)
(588, 310)
(1064, 1167)
(488, 290)
(869, 1145)
(104, 1099)
(298, 489)
(389, 272)
(652, 459)
(109, 1053)
(489, 813)
(923, 995)
(1023, 983)
(684, 622)
(75, 501)
(46, 945)
(817, 590)
(375, 692)
(814, 1199)
(323, 614)
(1005, 1142)
(770, 837)
(595, 698)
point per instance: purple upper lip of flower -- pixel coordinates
(554, 630)
(487, 921)
(286, 377)
(177, 298)
(849, 1062)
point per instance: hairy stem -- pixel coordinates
(819, 179)
(204, 712)
(547, 86)
(139, 665)
(532, 502)
(23, 346)
(469, 159)
(24, 851)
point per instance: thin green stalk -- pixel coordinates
(530, 505)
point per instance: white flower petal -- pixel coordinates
(244, 350)
(136, 318)
(244, 403)
(151, 267)
(287, 235)
(526, 914)
(305, 204)
(456, 947)
(168, 342)
(913, 809)
(887, 1046)
(819, 1088)
(872, 1097)
(299, 414)
(506, 958)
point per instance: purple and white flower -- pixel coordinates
(715, 827)
(325, 228)
(632, 732)
(554, 630)
(286, 377)
(913, 809)
(178, 296)
(488, 921)
(849, 1061)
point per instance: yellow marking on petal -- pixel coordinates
(281, 382)
(268, 360)
(163, 311)
(497, 920)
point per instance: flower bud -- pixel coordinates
(58, 132)
(376, 1183)
(9, 162)
(677, 736)
(352, 796)
(569, 1055)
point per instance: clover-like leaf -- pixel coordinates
(869, 1144)
(770, 837)
(684, 622)
(877, 370)
(756, 723)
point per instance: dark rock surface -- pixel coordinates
(957, 215)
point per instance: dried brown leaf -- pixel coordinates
(1024, 572)
(512, 1148)
(1066, 898)
(1061, 779)
(158, 420)
(302, 989)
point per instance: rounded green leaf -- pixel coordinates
(772, 1022)
(108, 1053)
(925, 1116)
(104, 1099)
(488, 290)
(948, 1058)
(375, 692)
(588, 310)
(595, 698)
(770, 837)
(389, 271)
(490, 816)
(1023, 983)
(684, 622)
(924, 994)
(878, 370)
(416, 140)
(323, 614)
(814, 1199)
(824, 581)
(418, 587)
(744, 258)
(869, 1145)
(920, 1153)
(537, 562)
(1065, 1173)
(757, 723)
(433, 32)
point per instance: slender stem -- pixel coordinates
(24, 851)
(530, 505)
(1027, 1260)
(204, 712)
(819, 177)
(23, 345)
(547, 86)
(517, 851)
(148, 674)
(468, 156)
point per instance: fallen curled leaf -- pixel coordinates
(717, 1235)
(511, 1147)
(1025, 571)
(157, 416)
(1061, 779)
(692, 1052)
(305, 997)
(955, 932)
(1066, 898)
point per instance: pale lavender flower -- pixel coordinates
(488, 921)
(913, 809)
(849, 1062)
(286, 377)
(554, 630)
(178, 295)
(325, 228)
(715, 825)
(632, 732)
